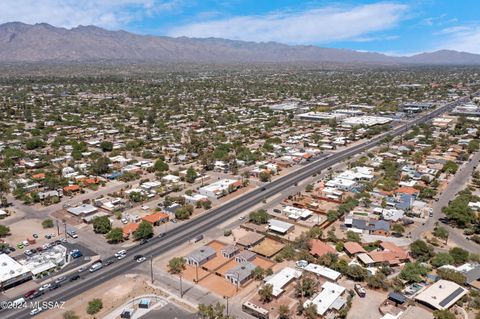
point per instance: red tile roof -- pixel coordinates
(353, 247)
(129, 229)
(71, 188)
(320, 248)
(155, 217)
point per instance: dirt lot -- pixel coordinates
(365, 307)
(268, 247)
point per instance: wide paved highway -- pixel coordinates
(188, 230)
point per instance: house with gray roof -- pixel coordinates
(200, 256)
(229, 251)
(240, 274)
(245, 256)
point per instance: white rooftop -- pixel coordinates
(281, 279)
(325, 299)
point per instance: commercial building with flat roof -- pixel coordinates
(279, 226)
(12, 273)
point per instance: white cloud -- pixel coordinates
(321, 25)
(462, 38)
(71, 13)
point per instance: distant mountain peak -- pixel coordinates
(20, 42)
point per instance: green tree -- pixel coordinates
(160, 165)
(356, 272)
(421, 251)
(101, 166)
(377, 281)
(106, 146)
(413, 272)
(191, 175)
(265, 177)
(441, 232)
(176, 265)
(115, 235)
(310, 311)
(266, 293)
(94, 306)
(442, 259)
(70, 315)
(4, 230)
(452, 275)
(306, 287)
(353, 236)
(101, 225)
(283, 312)
(398, 229)
(460, 255)
(450, 167)
(212, 311)
(258, 273)
(259, 217)
(47, 223)
(145, 230)
(443, 314)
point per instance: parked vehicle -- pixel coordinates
(75, 277)
(72, 233)
(360, 290)
(28, 294)
(36, 311)
(96, 266)
(60, 279)
(54, 286)
(198, 238)
(120, 253)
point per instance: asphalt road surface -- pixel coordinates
(457, 183)
(217, 216)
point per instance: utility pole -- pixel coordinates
(65, 225)
(58, 228)
(151, 268)
(181, 290)
(226, 297)
(196, 273)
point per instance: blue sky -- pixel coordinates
(392, 27)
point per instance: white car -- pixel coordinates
(45, 287)
(141, 259)
(121, 257)
(124, 221)
(120, 253)
(36, 311)
(145, 207)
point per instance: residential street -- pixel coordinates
(454, 186)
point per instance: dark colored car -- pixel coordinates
(108, 262)
(55, 286)
(137, 257)
(144, 241)
(74, 277)
(29, 293)
(37, 294)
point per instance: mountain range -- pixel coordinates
(20, 42)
